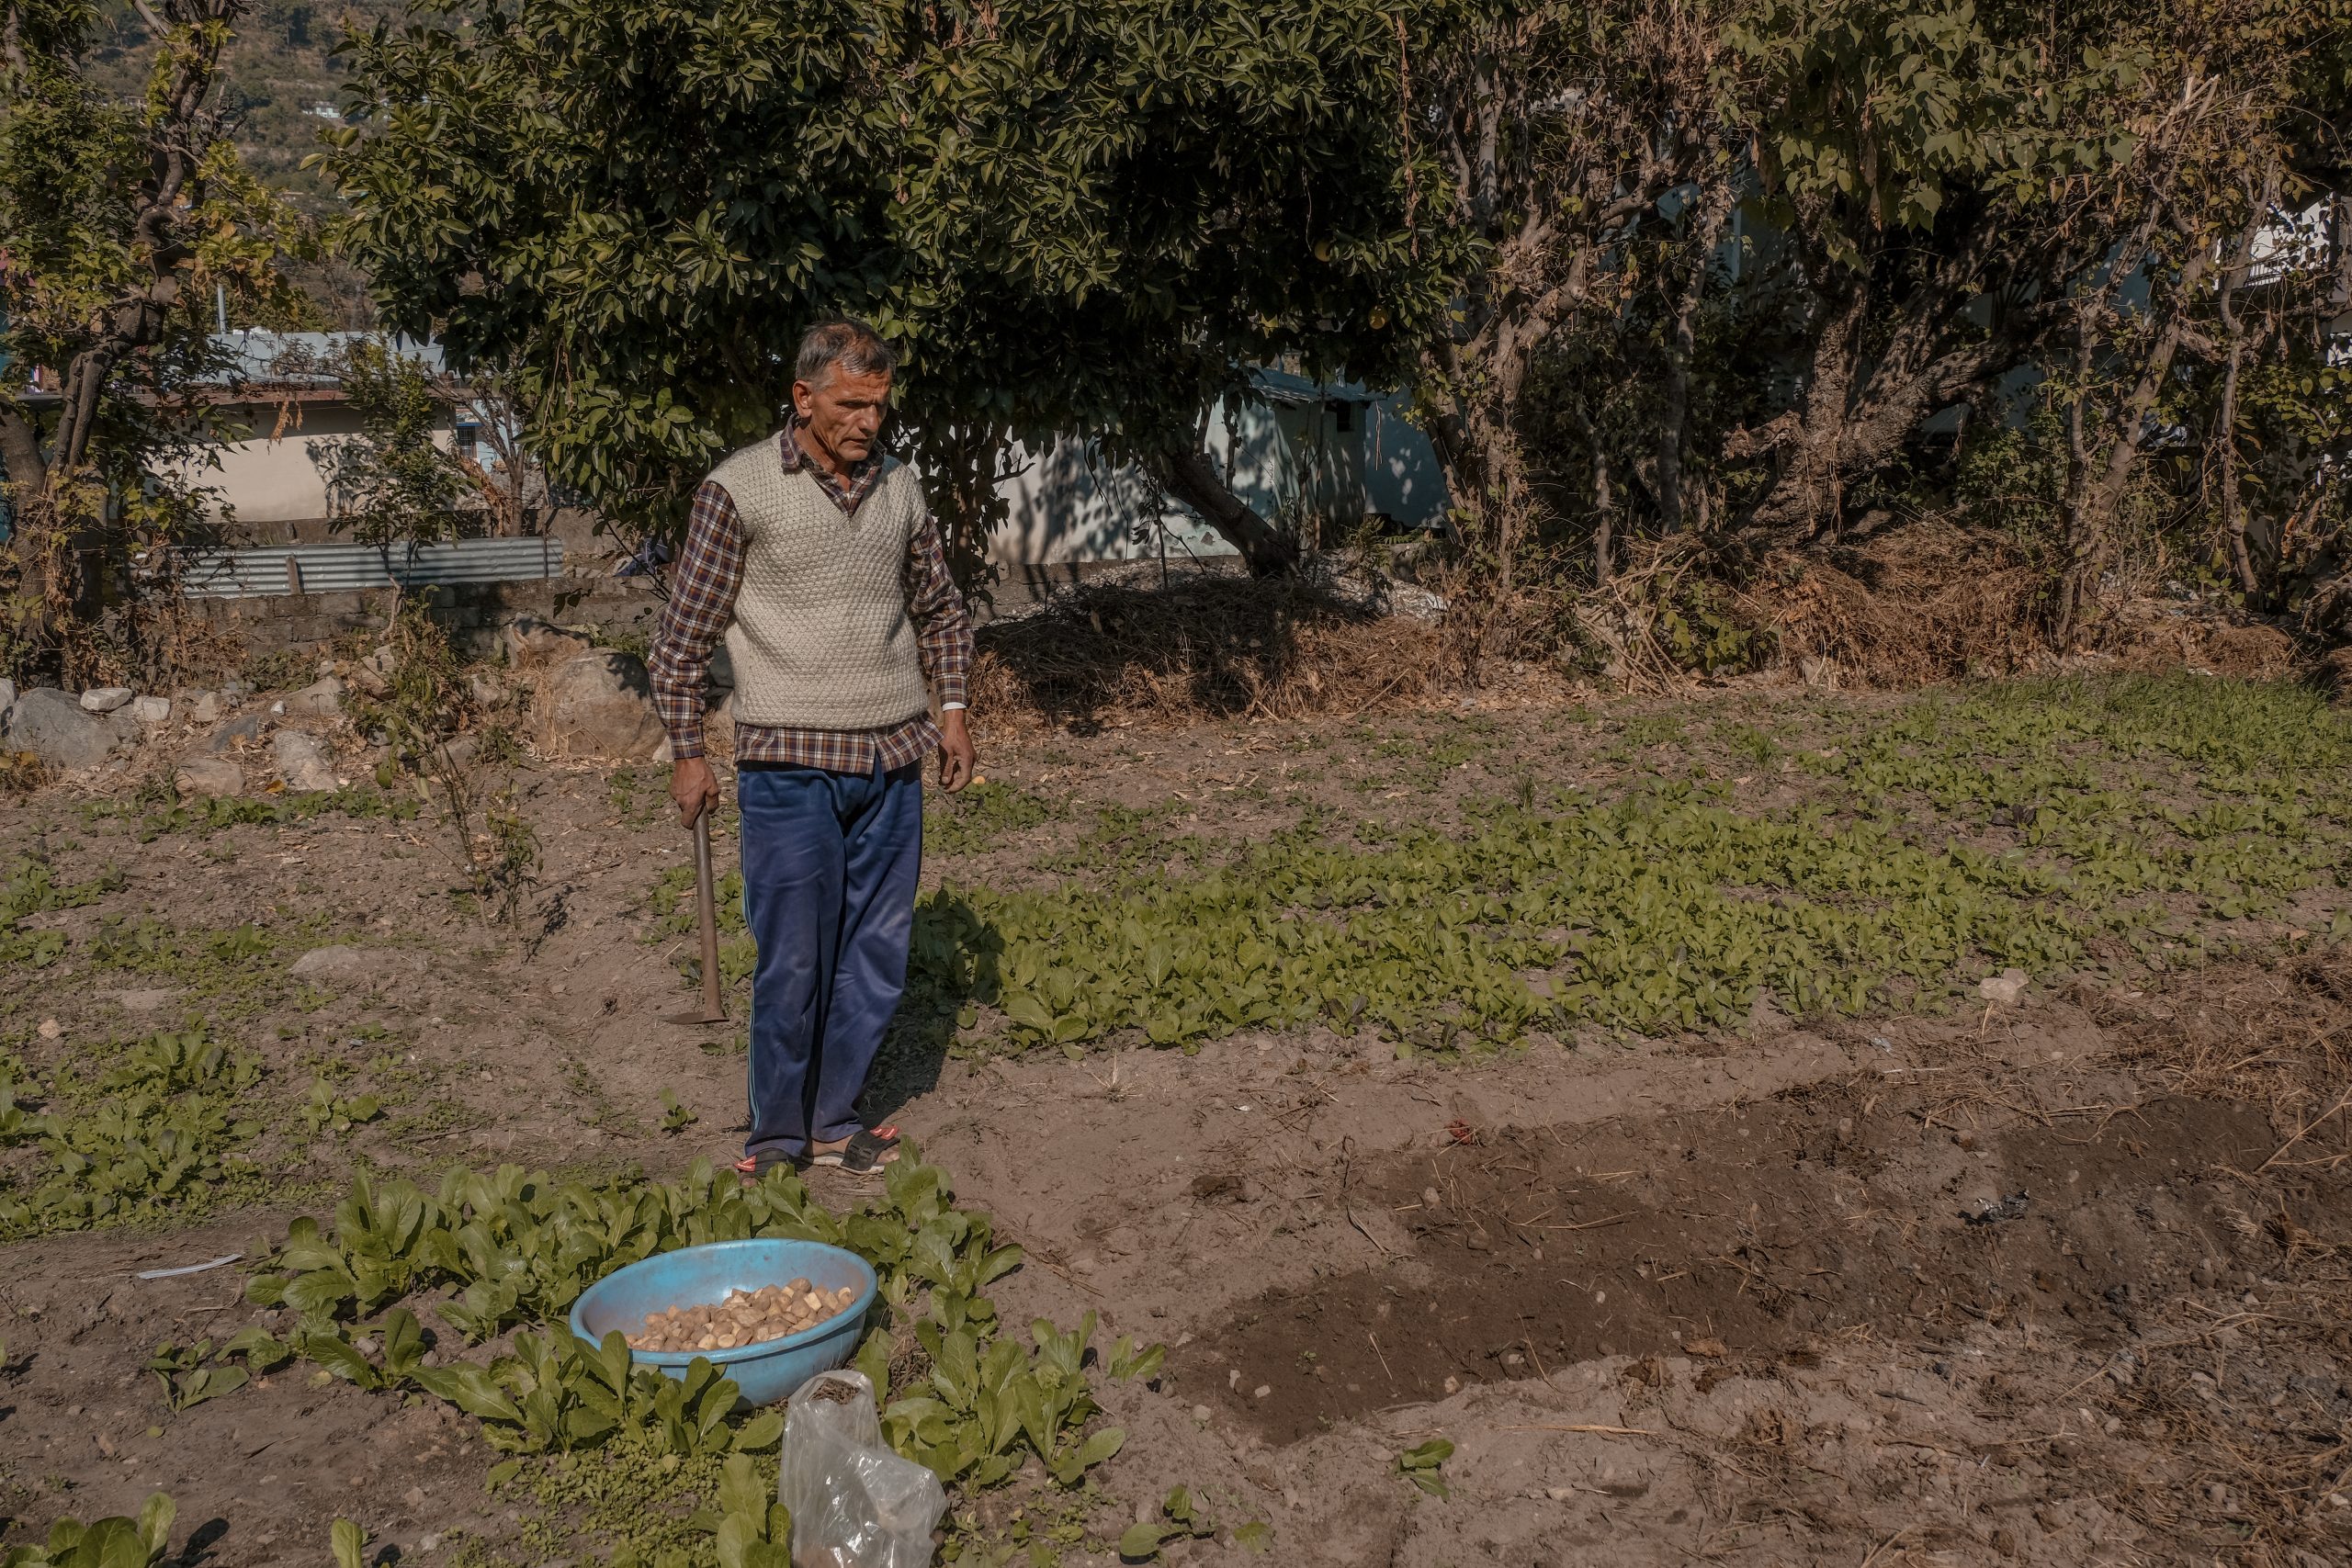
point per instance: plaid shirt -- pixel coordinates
(702, 604)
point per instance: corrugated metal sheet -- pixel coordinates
(342, 569)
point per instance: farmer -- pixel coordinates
(815, 557)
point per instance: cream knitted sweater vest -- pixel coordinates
(821, 638)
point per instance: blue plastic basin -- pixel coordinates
(702, 1276)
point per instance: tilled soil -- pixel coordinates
(1750, 1234)
(1764, 1298)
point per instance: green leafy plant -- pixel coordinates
(1181, 1518)
(675, 1118)
(754, 1530)
(187, 1382)
(32, 889)
(104, 1544)
(1421, 1465)
(163, 1132)
(325, 1111)
(348, 1543)
(263, 1351)
(521, 1246)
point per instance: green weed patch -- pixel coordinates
(168, 1132)
(2054, 828)
(981, 818)
(31, 889)
(151, 817)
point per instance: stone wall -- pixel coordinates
(621, 610)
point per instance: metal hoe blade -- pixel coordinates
(707, 907)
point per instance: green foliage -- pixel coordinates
(123, 216)
(391, 483)
(986, 1403)
(186, 1381)
(675, 1118)
(212, 814)
(1181, 1518)
(326, 1111)
(2043, 825)
(106, 1543)
(981, 818)
(1000, 188)
(519, 1247)
(1421, 1465)
(164, 1133)
(348, 1543)
(32, 889)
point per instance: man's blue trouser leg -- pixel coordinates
(830, 867)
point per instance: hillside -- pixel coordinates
(280, 74)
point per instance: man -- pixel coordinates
(815, 558)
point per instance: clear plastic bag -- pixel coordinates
(855, 1504)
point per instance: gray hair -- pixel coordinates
(852, 345)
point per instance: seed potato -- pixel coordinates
(745, 1317)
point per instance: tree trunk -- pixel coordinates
(1805, 491)
(2226, 420)
(1673, 435)
(2098, 487)
(1190, 476)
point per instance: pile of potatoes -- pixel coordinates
(745, 1317)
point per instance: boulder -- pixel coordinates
(302, 763)
(199, 777)
(8, 701)
(151, 711)
(105, 699)
(54, 726)
(597, 705)
(321, 698)
(531, 642)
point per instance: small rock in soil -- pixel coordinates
(238, 733)
(320, 699)
(303, 765)
(105, 699)
(351, 963)
(201, 777)
(2005, 989)
(151, 711)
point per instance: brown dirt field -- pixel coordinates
(1728, 1296)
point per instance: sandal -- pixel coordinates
(865, 1155)
(755, 1167)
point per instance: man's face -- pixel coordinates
(844, 409)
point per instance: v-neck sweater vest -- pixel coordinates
(821, 638)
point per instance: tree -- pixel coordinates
(395, 481)
(1946, 212)
(1074, 218)
(119, 220)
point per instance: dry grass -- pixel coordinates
(1926, 602)
(2240, 1394)
(1208, 649)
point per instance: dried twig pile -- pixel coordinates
(1204, 649)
